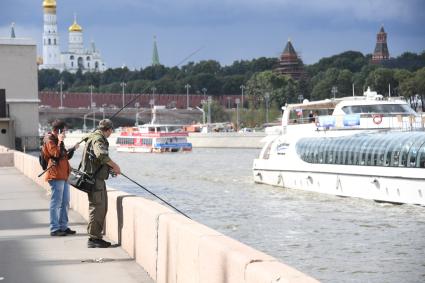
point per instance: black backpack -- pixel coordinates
(41, 158)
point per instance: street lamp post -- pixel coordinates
(84, 119)
(187, 86)
(91, 96)
(103, 112)
(61, 83)
(242, 89)
(334, 91)
(267, 96)
(237, 101)
(300, 98)
(204, 90)
(209, 109)
(153, 95)
(123, 85)
(203, 102)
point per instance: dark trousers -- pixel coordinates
(98, 206)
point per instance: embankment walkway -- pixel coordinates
(150, 237)
(29, 254)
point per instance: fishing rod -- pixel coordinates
(150, 84)
(47, 169)
(154, 195)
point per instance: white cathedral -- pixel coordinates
(77, 57)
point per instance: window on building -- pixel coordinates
(71, 57)
(50, 41)
(88, 58)
(80, 63)
(55, 41)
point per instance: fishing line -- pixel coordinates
(154, 195)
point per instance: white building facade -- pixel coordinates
(77, 57)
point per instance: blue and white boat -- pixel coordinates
(363, 147)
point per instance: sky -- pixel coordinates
(224, 30)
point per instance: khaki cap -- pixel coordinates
(105, 124)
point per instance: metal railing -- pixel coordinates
(28, 143)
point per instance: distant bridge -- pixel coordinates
(76, 108)
(76, 117)
(111, 100)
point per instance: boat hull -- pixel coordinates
(355, 182)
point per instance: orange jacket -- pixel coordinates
(53, 150)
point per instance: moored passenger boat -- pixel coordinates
(366, 148)
(153, 138)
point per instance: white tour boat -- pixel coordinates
(361, 147)
(153, 138)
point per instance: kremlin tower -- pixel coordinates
(381, 49)
(51, 50)
(290, 64)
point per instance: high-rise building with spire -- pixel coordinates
(289, 63)
(77, 57)
(381, 48)
(155, 56)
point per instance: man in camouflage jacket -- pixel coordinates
(96, 160)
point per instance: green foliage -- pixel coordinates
(218, 113)
(350, 60)
(405, 75)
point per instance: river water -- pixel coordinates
(330, 238)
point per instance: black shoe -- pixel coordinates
(68, 231)
(97, 243)
(58, 233)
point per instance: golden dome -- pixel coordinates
(75, 26)
(49, 3)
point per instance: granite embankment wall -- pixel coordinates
(222, 140)
(169, 246)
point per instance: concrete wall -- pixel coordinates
(18, 75)
(227, 140)
(7, 132)
(171, 247)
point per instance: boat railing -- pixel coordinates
(361, 121)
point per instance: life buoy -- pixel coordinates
(377, 119)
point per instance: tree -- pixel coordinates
(48, 79)
(380, 79)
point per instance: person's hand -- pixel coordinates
(116, 169)
(76, 146)
(61, 137)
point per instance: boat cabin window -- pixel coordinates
(307, 115)
(392, 149)
(379, 108)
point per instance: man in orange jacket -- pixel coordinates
(57, 176)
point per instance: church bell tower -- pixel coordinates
(51, 49)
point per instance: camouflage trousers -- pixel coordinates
(98, 206)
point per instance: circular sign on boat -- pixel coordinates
(377, 119)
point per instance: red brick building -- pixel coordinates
(381, 48)
(290, 64)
